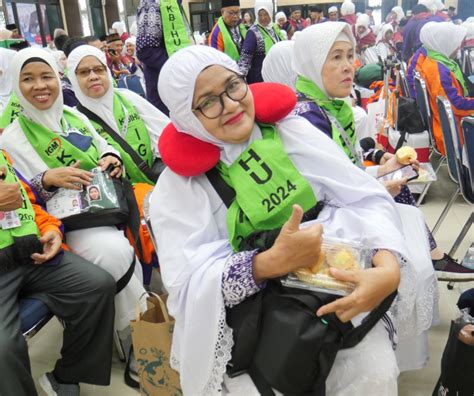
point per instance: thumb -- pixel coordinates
(76, 164)
(47, 237)
(293, 223)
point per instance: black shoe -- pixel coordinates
(448, 269)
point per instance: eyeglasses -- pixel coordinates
(98, 70)
(213, 106)
(233, 13)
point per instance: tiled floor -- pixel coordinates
(44, 347)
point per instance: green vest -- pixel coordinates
(136, 135)
(175, 34)
(230, 48)
(11, 112)
(25, 213)
(267, 185)
(268, 39)
(54, 149)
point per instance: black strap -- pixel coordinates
(139, 162)
(259, 381)
(358, 333)
(123, 281)
(401, 140)
(225, 192)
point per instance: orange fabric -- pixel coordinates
(141, 190)
(220, 40)
(44, 220)
(430, 73)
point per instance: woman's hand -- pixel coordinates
(293, 249)
(70, 177)
(389, 163)
(114, 162)
(394, 187)
(372, 287)
(51, 242)
(466, 334)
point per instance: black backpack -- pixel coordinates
(278, 339)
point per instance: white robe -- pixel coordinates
(106, 247)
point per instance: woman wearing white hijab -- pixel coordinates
(277, 65)
(27, 140)
(133, 118)
(442, 73)
(201, 270)
(258, 41)
(325, 73)
(385, 45)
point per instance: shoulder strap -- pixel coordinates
(344, 137)
(225, 192)
(139, 162)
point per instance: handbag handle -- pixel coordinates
(161, 302)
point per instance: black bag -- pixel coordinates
(105, 217)
(457, 366)
(278, 339)
(409, 119)
(152, 173)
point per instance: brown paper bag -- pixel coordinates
(152, 332)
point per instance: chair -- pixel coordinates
(34, 314)
(464, 169)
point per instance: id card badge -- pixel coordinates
(9, 220)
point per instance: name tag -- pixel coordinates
(9, 220)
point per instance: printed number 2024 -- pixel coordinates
(277, 197)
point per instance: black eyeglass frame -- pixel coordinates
(221, 100)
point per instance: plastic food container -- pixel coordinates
(426, 174)
(336, 253)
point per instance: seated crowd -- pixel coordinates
(248, 151)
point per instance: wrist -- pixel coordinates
(264, 266)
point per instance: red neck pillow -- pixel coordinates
(188, 156)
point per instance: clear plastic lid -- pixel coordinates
(335, 253)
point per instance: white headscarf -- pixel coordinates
(257, 9)
(279, 15)
(385, 28)
(332, 9)
(130, 40)
(470, 29)
(363, 20)
(190, 62)
(57, 55)
(312, 48)
(443, 37)
(50, 118)
(277, 64)
(119, 27)
(104, 106)
(6, 56)
(191, 228)
(399, 12)
(347, 8)
(430, 4)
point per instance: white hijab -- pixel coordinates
(257, 10)
(443, 37)
(385, 28)
(50, 118)
(104, 106)
(363, 20)
(190, 220)
(312, 47)
(280, 15)
(399, 12)
(347, 8)
(277, 64)
(119, 27)
(57, 55)
(6, 56)
(176, 90)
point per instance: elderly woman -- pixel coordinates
(365, 37)
(285, 27)
(124, 112)
(385, 45)
(258, 41)
(442, 73)
(324, 75)
(45, 120)
(203, 268)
